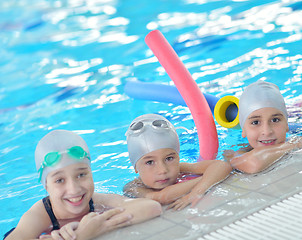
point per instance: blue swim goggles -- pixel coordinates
(52, 158)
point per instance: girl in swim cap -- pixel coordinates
(153, 147)
(263, 119)
(72, 209)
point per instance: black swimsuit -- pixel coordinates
(48, 208)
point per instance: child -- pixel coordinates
(263, 119)
(63, 163)
(153, 147)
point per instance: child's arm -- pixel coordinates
(32, 224)
(230, 154)
(141, 209)
(261, 158)
(125, 212)
(165, 196)
(214, 171)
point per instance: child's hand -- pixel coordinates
(67, 232)
(181, 203)
(95, 224)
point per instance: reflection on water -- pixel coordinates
(64, 65)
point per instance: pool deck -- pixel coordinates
(238, 196)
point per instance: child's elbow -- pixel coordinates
(154, 208)
(250, 167)
(159, 197)
(226, 166)
(157, 209)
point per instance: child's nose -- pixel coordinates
(73, 186)
(267, 129)
(162, 168)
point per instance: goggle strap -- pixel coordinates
(40, 171)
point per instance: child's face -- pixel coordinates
(265, 127)
(159, 169)
(70, 190)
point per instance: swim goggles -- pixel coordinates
(52, 158)
(139, 126)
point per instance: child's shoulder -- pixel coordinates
(37, 209)
(131, 188)
(137, 182)
(34, 221)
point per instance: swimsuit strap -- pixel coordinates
(6, 234)
(48, 208)
(91, 206)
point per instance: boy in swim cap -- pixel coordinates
(263, 119)
(72, 209)
(153, 147)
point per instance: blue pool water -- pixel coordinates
(64, 65)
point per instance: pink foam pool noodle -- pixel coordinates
(202, 116)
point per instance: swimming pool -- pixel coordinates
(64, 64)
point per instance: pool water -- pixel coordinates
(64, 65)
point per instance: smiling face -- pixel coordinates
(159, 169)
(265, 127)
(70, 190)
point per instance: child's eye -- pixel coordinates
(82, 175)
(169, 158)
(255, 122)
(150, 162)
(60, 180)
(275, 120)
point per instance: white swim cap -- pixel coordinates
(258, 95)
(148, 133)
(59, 149)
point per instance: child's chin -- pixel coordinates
(158, 188)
